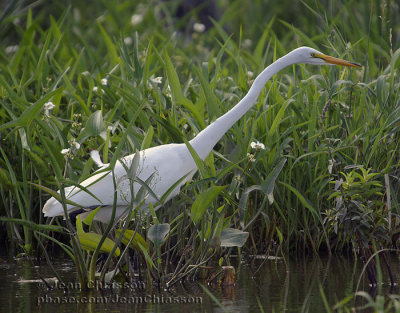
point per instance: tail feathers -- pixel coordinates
(52, 208)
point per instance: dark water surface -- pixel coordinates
(276, 285)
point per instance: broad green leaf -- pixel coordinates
(95, 126)
(172, 130)
(302, 199)
(121, 143)
(269, 184)
(89, 241)
(145, 188)
(137, 63)
(110, 45)
(202, 202)
(231, 237)
(199, 162)
(109, 275)
(158, 232)
(147, 138)
(176, 90)
(42, 59)
(211, 100)
(173, 79)
(279, 117)
(136, 241)
(267, 187)
(88, 220)
(134, 166)
(79, 226)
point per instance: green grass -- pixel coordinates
(312, 117)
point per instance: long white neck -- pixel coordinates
(205, 141)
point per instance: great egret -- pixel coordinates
(170, 162)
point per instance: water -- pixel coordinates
(291, 286)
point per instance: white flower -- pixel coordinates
(76, 144)
(330, 166)
(247, 43)
(251, 157)
(11, 49)
(250, 74)
(199, 28)
(168, 91)
(65, 151)
(257, 145)
(238, 178)
(128, 41)
(156, 80)
(136, 19)
(104, 81)
(96, 89)
(153, 80)
(47, 107)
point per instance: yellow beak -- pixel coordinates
(332, 60)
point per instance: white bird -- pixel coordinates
(170, 162)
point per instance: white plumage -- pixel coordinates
(169, 163)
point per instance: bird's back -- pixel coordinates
(166, 164)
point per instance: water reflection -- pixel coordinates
(290, 286)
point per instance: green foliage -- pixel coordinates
(231, 237)
(132, 239)
(359, 214)
(378, 303)
(203, 201)
(90, 240)
(157, 233)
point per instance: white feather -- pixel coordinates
(171, 162)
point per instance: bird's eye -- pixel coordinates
(313, 55)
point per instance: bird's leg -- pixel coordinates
(135, 264)
(72, 215)
(385, 260)
(101, 260)
(370, 269)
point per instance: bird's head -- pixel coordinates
(309, 55)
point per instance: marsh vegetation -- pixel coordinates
(322, 174)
